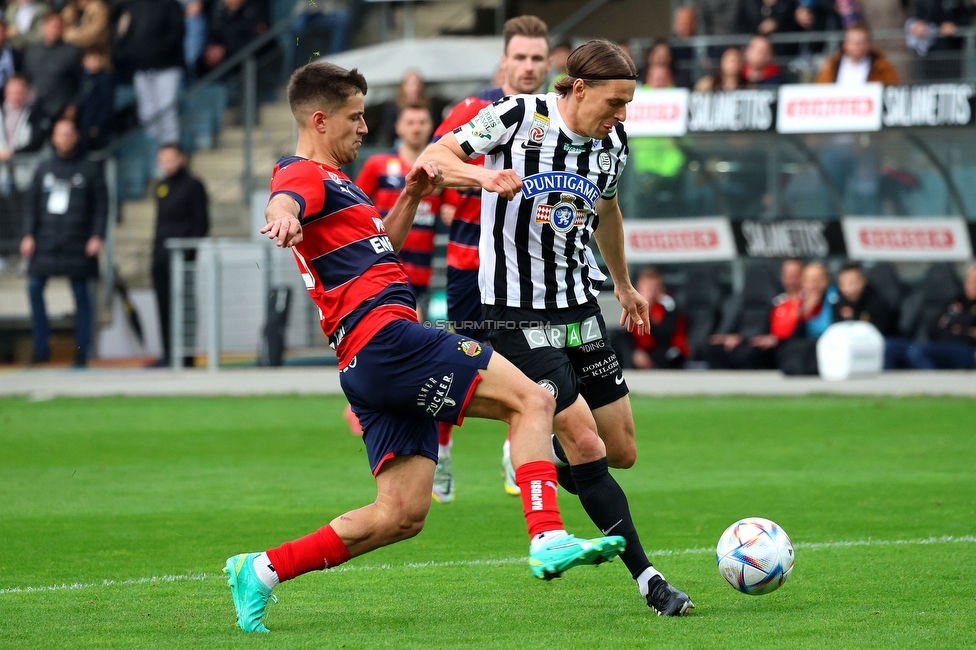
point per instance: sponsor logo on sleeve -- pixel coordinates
(486, 124)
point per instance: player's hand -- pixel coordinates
(423, 179)
(503, 182)
(635, 313)
(287, 230)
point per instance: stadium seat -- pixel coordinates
(702, 302)
(747, 313)
(928, 300)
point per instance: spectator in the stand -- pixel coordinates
(683, 26)
(734, 351)
(766, 17)
(825, 15)
(931, 30)
(858, 62)
(658, 66)
(758, 70)
(795, 325)
(666, 344)
(331, 15)
(22, 129)
(952, 343)
(235, 23)
(95, 104)
(54, 68)
(150, 46)
(729, 75)
(717, 17)
(182, 210)
(412, 91)
(195, 33)
(558, 56)
(86, 24)
(64, 225)
(24, 19)
(9, 57)
(856, 300)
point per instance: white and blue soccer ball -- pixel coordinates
(755, 556)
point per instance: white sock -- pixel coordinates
(444, 451)
(556, 460)
(645, 577)
(544, 538)
(507, 449)
(262, 568)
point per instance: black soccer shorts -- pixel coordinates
(566, 351)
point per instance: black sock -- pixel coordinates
(563, 474)
(606, 504)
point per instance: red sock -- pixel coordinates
(539, 486)
(444, 434)
(314, 552)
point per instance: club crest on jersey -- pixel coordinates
(603, 160)
(338, 181)
(563, 217)
(538, 130)
(564, 182)
(470, 348)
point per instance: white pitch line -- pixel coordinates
(196, 577)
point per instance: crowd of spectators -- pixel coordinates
(931, 33)
(776, 325)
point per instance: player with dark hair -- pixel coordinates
(552, 164)
(523, 66)
(400, 377)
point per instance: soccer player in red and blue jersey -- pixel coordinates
(524, 65)
(400, 377)
(382, 178)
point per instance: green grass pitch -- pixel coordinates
(129, 507)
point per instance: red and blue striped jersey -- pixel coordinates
(462, 245)
(345, 257)
(382, 179)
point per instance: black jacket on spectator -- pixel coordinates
(96, 106)
(870, 308)
(182, 208)
(31, 132)
(153, 39)
(66, 205)
(753, 12)
(235, 30)
(958, 324)
(55, 72)
(941, 11)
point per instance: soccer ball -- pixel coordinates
(755, 556)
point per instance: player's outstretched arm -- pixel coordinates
(610, 238)
(283, 223)
(419, 182)
(449, 155)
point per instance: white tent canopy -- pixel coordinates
(453, 67)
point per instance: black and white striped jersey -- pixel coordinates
(534, 249)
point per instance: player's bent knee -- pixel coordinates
(622, 458)
(410, 525)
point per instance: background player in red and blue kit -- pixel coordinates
(382, 179)
(524, 65)
(400, 377)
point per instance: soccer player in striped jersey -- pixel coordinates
(400, 377)
(552, 164)
(523, 65)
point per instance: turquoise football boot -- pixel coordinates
(251, 596)
(563, 553)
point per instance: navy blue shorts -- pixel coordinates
(464, 303)
(404, 381)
